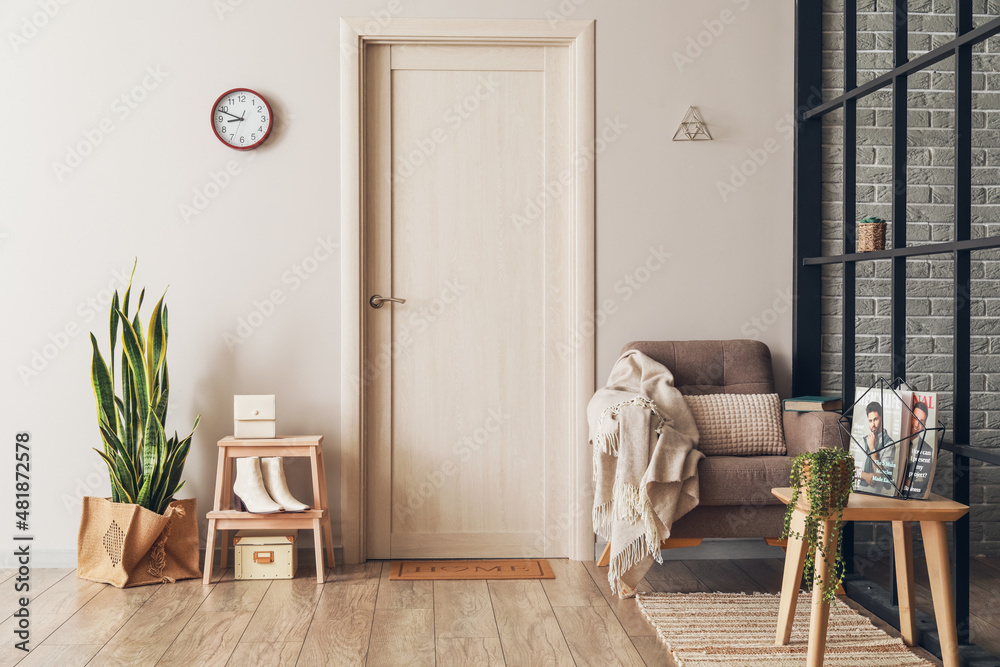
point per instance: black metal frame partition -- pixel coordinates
(808, 255)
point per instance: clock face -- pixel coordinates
(241, 119)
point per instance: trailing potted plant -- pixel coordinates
(141, 535)
(823, 480)
(871, 234)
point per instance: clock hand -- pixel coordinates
(230, 114)
(235, 130)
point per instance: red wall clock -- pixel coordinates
(241, 119)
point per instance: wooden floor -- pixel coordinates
(359, 617)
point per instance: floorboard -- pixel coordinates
(360, 617)
(402, 638)
(39, 581)
(97, 621)
(403, 594)
(266, 654)
(465, 651)
(595, 637)
(147, 635)
(463, 610)
(66, 655)
(573, 586)
(285, 611)
(723, 575)
(529, 631)
(627, 612)
(341, 626)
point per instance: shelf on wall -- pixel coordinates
(909, 251)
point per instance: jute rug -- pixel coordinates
(526, 568)
(731, 629)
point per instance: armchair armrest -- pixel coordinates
(811, 431)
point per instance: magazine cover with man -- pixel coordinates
(880, 425)
(922, 459)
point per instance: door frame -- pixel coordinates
(578, 36)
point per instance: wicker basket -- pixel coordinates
(871, 236)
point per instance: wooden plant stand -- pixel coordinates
(225, 518)
(932, 515)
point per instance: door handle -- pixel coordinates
(377, 301)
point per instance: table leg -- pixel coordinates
(314, 464)
(220, 478)
(223, 549)
(795, 558)
(209, 553)
(820, 614)
(939, 571)
(902, 540)
(318, 546)
(331, 560)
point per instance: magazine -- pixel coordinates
(922, 459)
(879, 441)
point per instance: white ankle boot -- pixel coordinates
(249, 487)
(277, 487)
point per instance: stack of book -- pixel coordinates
(812, 404)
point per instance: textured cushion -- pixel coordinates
(742, 480)
(738, 424)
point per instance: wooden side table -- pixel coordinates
(224, 517)
(932, 515)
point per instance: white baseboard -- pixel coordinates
(716, 549)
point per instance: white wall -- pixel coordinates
(66, 237)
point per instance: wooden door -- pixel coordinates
(467, 385)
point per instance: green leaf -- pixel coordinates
(113, 328)
(136, 363)
(156, 342)
(163, 398)
(104, 390)
(123, 463)
(116, 487)
(152, 450)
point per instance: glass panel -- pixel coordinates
(985, 349)
(833, 182)
(833, 48)
(874, 153)
(875, 21)
(984, 11)
(872, 305)
(832, 340)
(930, 154)
(930, 23)
(985, 144)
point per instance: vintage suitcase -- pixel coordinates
(253, 416)
(266, 554)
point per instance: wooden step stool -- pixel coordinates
(224, 517)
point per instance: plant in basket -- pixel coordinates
(822, 480)
(141, 535)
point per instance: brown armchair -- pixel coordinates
(736, 498)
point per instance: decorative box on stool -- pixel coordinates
(266, 553)
(253, 416)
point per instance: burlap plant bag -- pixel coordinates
(126, 545)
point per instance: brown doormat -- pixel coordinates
(703, 629)
(525, 568)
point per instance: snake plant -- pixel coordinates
(145, 466)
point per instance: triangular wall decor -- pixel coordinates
(693, 127)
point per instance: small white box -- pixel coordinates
(266, 553)
(253, 416)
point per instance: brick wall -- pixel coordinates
(930, 214)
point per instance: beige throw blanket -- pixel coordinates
(645, 464)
